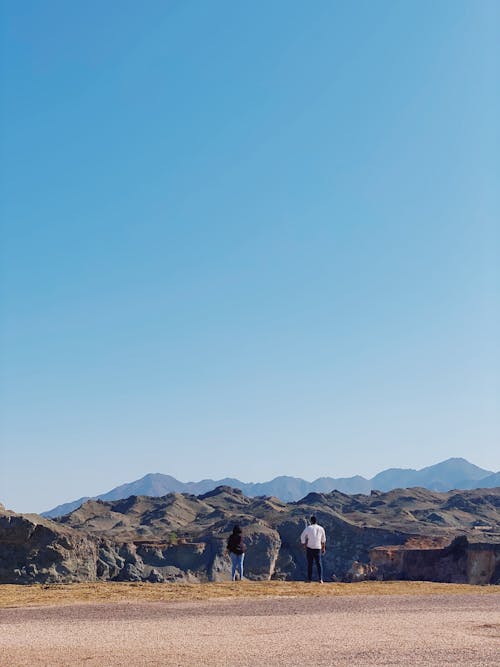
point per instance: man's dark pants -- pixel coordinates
(314, 555)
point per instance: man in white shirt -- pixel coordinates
(314, 540)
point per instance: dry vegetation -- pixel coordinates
(60, 594)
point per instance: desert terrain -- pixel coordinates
(407, 534)
(250, 623)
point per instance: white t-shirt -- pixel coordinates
(314, 535)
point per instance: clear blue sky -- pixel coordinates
(246, 239)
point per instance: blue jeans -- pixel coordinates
(237, 565)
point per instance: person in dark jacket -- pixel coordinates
(236, 548)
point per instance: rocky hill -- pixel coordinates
(34, 549)
(454, 473)
(181, 537)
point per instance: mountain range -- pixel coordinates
(454, 473)
(410, 534)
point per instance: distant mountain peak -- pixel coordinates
(455, 472)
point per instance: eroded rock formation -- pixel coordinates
(405, 534)
(33, 549)
(459, 562)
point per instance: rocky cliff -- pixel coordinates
(409, 534)
(458, 562)
(33, 549)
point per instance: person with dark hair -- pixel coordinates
(314, 540)
(236, 548)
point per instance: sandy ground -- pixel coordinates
(345, 630)
(13, 595)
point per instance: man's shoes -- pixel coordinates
(321, 581)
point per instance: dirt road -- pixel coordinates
(348, 630)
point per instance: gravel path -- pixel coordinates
(348, 630)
